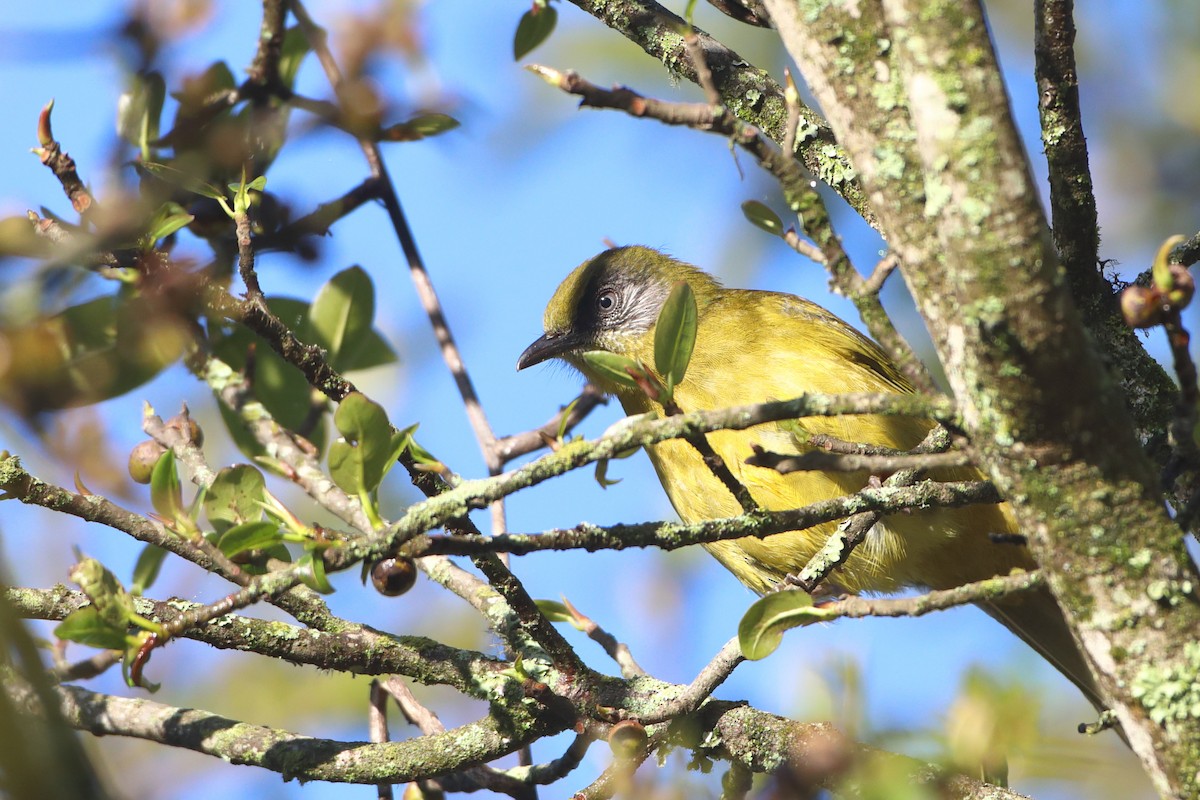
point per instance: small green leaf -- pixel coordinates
(249, 536)
(184, 180)
(1160, 270)
(165, 492)
(763, 217)
(602, 474)
(312, 573)
(291, 55)
(341, 314)
(421, 126)
(358, 461)
(612, 367)
(372, 351)
(145, 571)
(86, 626)
(535, 27)
(558, 612)
(139, 111)
(169, 218)
(234, 497)
(762, 627)
(675, 335)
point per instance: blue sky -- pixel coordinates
(502, 209)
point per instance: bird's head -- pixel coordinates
(611, 303)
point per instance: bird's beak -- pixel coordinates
(545, 348)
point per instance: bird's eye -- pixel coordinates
(606, 300)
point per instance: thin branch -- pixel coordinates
(674, 535)
(519, 444)
(618, 651)
(426, 293)
(51, 154)
(714, 673)
(820, 461)
(940, 600)
(746, 90)
(299, 757)
(1072, 200)
(377, 730)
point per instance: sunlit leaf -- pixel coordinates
(535, 27)
(234, 496)
(249, 536)
(764, 623)
(145, 571)
(341, 314)
(612, 367)
(313, 573)
(763, 217)
(675, 335)
(358, 461)
(166, 494)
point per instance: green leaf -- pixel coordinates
(145, 571)
(602, 474)
(763, 217)
(184, 180)
(139, 111)
(558, 612)
(86, 626)
(169, 218)
(358, 461)
(421, 126)
(675, 335)
(535, 27)
(313, 573)
(762, 627)
(341, 314)
(291, 55)
(234, 497)
(165, 492)
(372, 351)
(612, 367)
(249, 536)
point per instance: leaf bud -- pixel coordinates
(1183, 286)
(1142, 306)
(187, 428)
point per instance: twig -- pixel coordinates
(51, 154)
(674, 535)
(618, 651)
(886, 266)
(300, 757)
(377, 730)
(420, 276)
(987, 589)
(791, 97)
(706, 682)
(818, 460)
(354, 648)
(850, 534)
(1072, 200)
(746, 90)
(695, 51)
(264, 69)
(519, 444)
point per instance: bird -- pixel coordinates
(754, 346)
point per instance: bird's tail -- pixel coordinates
(1036, 618)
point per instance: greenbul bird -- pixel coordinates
(756, 346)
